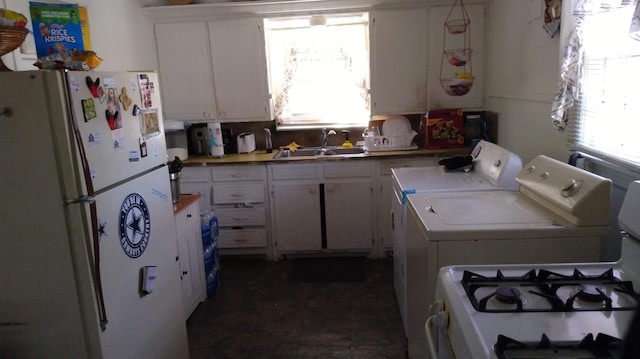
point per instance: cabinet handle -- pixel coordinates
(189, 215)
(222, 114)
(205, 114)
(184, 272)
(312, 189)
(240, 219)
(236, 194)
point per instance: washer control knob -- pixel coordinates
(571, 188)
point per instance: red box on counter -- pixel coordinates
(444, 128)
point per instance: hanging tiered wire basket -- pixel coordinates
(456, 80)
(11, 37)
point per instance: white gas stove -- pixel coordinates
(560, 214)
(576, 310)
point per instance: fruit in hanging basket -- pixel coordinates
(456, 86)
(458, 57)
(12, 18)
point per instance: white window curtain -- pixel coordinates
(598, 102)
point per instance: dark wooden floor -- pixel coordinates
(257, 313)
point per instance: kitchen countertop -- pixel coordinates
(184, 202)
(263, 157)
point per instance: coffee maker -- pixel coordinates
(197, 138)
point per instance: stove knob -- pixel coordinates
(530, 169)
(497, 163)
(544, 175)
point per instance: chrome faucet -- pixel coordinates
(325, 136)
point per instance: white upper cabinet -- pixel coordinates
(399, 61)
(185, 71)
(240, 70)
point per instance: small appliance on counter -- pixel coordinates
(198, 144)
(246, 142)
(174, 176)
(228, 140)
(176, 137)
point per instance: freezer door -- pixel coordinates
(137, 230)
(119, 117)
(46, 303)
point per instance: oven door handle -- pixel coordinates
(439, 320)
(428, 325)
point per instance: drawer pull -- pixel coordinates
(236, 194)
(240, 219)
(240, 240)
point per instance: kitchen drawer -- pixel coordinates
(242, 238)
(348, 169)
(295, 171)
(426, 161)
(228, 193)
(238, 173)
(187, 218)
(195, 174)
(240, 217)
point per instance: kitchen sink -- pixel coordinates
(320, 152)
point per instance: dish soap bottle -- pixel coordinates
(346, 142)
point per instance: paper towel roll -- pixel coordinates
(215, 139)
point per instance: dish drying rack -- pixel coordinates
(390, 143)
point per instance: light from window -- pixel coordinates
(608, 112)
(319, 70)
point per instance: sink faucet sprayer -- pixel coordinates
(325, 136)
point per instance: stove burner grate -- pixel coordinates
(549, 287)
(602, 347)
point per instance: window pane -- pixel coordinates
(608, 120)
(319, 74)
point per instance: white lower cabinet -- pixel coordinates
(322, 206)
(190, 257)
(296, 216)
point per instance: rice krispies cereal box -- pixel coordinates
(57, 29)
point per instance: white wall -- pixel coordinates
(121, 34)
(523, 71)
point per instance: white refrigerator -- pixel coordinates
(88, 255)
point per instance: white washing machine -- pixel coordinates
(559, 214)
(494, 168)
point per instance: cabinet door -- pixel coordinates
(399, 61)
(239, 67)
(296, 216)
(348, 228)
(185, 71)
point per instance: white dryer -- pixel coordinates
(494, 168)
(559, 214)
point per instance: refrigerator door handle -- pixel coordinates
(80, 200)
